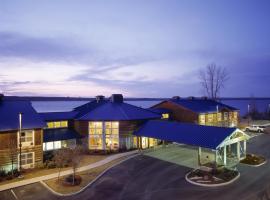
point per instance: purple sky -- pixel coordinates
(139, 48)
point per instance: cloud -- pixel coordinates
(22, 46)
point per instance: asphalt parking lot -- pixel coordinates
(145, 177)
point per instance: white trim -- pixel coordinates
(228, 141)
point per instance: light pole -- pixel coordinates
(20, 140)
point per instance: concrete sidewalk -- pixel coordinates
(66, 172)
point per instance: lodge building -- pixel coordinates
(110, 124)
(31, 135)
(200, 111)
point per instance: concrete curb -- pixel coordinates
(66, 172)
(211, 185)
(255, 165)
(89, 184)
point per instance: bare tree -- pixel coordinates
(213, 79)
(61, 159)
(76, 157)
(13, 152)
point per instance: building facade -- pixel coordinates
(200, 111)
(20, 145)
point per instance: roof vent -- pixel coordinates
(100, 98)
(191, 98)
(117, 98)
(176, 97)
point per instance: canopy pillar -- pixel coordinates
(224, 155)
(199, 156)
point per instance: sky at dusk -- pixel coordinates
(138, 48)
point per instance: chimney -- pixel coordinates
(99, 98)
(176, 97)
(191, 98)
(117, 98)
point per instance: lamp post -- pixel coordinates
(20, 140)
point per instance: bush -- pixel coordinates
(69, 180)
(51, 165)
(3, 173)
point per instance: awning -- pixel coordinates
(59, 134)
(186, 133)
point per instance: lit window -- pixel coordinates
(95, 135)
(112, 135)
(235, 115)
(27, 138)
(210, 117)
(201, 119)
(225, 116)
(50, 124)
(57, 145)
(64, 124)
(27, 159)
(49, 146)
(219, 117)
(57, 124)
(165, 116)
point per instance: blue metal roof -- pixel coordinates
(190, 134)
(54, 116)
(9, 115)
(106, 110)
(59, 134)
(201, 105)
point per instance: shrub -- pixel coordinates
(3, 173)
(51, 165)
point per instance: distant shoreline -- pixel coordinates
(33, 98)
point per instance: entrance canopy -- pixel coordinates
(191, 134)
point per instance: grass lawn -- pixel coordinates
(86, 176)
(32, 173)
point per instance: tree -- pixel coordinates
(213, 79)
(61, 159)
(13, 152)
(76, 157)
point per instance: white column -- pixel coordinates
(216, 156)
(238, 150)
(225, 155)
(245, 147)
(199, 155)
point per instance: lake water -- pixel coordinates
(59, 106)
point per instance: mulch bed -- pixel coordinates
(252, 159)
(215, 176)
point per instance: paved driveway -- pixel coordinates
(178, 154)
(145, 177)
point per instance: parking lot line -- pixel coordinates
(15, 196)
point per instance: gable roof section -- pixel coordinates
(202, 105)
(9, 115)
(54, 116)
(107, 110)
(191, 134)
